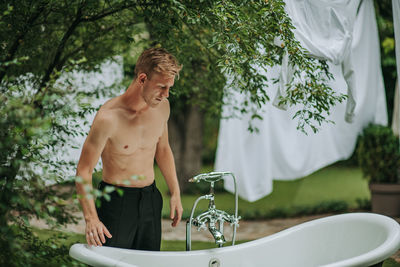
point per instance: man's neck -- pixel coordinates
(132, 98)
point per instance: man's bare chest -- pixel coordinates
(137, 134)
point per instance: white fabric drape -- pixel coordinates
(396, 24)
(396, 117)
(324, 29)
(279, 151)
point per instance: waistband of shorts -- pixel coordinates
(149, 188)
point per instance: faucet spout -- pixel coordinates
(218, 236)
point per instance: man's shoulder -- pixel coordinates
(106, 114)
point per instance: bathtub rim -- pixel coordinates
(81, 252)
(389, 247)
(382, 252)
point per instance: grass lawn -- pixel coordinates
(334, 188)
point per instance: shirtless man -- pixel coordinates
(128, 132)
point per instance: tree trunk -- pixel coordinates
(186, 139)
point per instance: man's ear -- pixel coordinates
(142, 77)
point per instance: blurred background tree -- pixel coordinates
(221, 45)
(384, 17)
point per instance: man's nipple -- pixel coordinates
(126, 146)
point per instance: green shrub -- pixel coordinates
(378, 154)
(333, 206)
(33, 250)
(363, 204)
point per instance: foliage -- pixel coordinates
(230, 43)
(50, 251)
(378, 154)
(363, 203)
(334, 206)
(390, 263)
(30, 137)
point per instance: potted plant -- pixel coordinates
(379, 158)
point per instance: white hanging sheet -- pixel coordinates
(324, 28)
(281, 152)
(396, 24)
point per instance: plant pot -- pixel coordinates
(385, 199)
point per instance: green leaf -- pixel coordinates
(108, 189)
(51, 208)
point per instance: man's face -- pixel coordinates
(156, 88)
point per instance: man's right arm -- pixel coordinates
(95, 142)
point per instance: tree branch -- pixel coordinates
(59, 51)
(14, 47)
(86, 44)
(209, 52)
(107, 13)
(79, 18)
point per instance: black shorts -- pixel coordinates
(133, 219)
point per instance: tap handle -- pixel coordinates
(235, 221)
(208, 177)
(199, 224)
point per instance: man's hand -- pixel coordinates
(95, 231)
(176, 210)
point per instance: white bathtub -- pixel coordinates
(354, 239)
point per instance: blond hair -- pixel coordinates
(157, 60)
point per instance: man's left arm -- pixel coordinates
(166, 163)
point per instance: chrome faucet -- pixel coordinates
(213, 217)
(218, 236)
